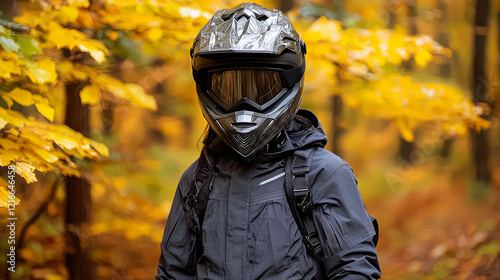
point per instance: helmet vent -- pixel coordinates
(243, 140)
(262, 18)
(244, 14)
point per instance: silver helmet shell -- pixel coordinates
(249, 37)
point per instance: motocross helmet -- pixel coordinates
(248, 64)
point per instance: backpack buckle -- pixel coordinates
(300, 171)
(303, 199)
(313, 243)
(301, 194)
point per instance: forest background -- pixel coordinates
(99, 118)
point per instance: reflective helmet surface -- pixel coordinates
(248, 64)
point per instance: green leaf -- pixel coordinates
(29, 46)
(4, 31)
(492, 248)
(8, 44)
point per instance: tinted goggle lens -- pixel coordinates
(259, 86)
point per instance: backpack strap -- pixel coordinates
(195, 204)
(297, 188)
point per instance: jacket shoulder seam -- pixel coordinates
(330, 175)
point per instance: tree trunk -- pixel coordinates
(286, 5)
(498, 56)
(9, 8)
(406, 148)
(78, 201)
(412, 17)
(336, 120)
(108, 106)
(107, 117)
(480, 90)
(337, 103)
(445, 65)
(392, 16)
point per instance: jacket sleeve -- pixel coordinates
(176, 246)
(345, 229)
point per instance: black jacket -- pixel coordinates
(249, 231)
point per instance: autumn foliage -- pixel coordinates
(130, 62)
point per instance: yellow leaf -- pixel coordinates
(7, 68)
(4, 197)
(481, 123)
(67, 14)
(358, 69)
(29, 136)
(119, 182)
(8, 101)
(42, 71)
(90, 94)
(26, 171)
(405, 130)
(70, 38)
(21, 96)
(422, 57)
(2, 123)
(131, 92)
(98, 228)
(46, 155)
(79, 3)
(155, 34)
(113, 35)
(4, 194)
(8, 144)
(139, 97)
(97, 54)
(43, 106)
(12, 117)
(114, 86)
(61, 37)
(66, 170)
(46, 110)
(31, 157)
(69, 71)
(100, 148)
(324, 29)
(461, 129)
(6, 156)
(55, 277)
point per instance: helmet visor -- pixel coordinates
(259, 86)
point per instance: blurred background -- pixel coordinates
(98, 111)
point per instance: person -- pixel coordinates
(231, 217)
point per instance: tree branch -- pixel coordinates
(41, 209)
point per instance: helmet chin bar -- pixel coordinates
(247, 131)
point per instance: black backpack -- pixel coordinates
(297, 189)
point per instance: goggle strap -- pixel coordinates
(200, 77)
(293, 76)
